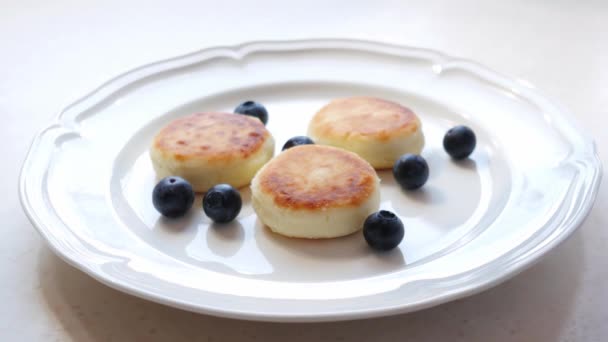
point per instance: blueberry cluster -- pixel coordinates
(173, 197)
(383, 230)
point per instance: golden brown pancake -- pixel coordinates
(314, 191)
(380, 131)
(213, 136)
(212, 148)
(312, 177)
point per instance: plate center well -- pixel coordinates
(459, 201)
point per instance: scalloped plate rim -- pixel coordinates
(591, 162)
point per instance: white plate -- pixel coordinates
(86, 184)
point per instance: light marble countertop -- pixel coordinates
(53, 52)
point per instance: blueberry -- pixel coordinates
(253, 108)
(297, 140)
(383, 230)
(459, 142)
(222, 203)
(411, 171)
(173, 196)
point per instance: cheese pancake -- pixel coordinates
(212, 148)
(378, 130)
(313, 191)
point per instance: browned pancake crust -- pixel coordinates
(212, 137)
(364, 116)
(314, 176)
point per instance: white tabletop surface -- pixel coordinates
(51, 52)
